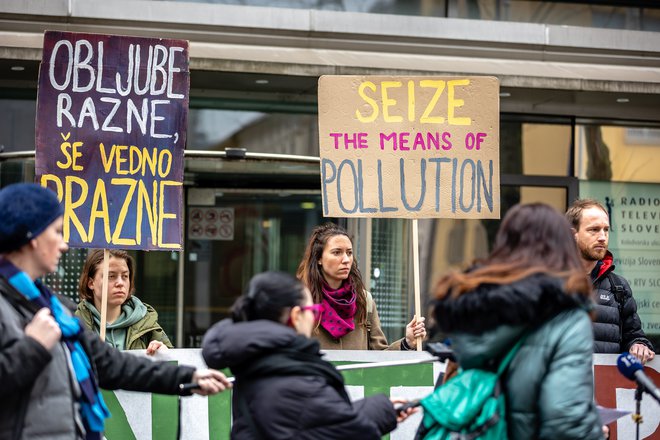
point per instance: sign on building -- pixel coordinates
(206, 223)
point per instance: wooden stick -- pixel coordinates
(104, 293)
(418, 301)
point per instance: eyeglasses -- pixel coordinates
(315, 309)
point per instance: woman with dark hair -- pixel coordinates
(283, 388)
(131, 324)
(531, 287)
(349, 319)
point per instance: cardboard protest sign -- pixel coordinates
(409, 147)
(110, 132)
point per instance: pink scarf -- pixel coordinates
(338, 309)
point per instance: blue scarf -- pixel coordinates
(92, 407)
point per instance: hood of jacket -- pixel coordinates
(230, 344)
(495, 315)
(132, 311)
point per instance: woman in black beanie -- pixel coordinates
(51, 368)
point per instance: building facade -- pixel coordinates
(580, 116)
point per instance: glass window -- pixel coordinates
(534, 148)
(257, 132)
(564, 13)
(208, 129)
(263, 230)
(453, 243)
(390, 267)
(616, 153)
(17, 124)
(585, 13)
(156, 284)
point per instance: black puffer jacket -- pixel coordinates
(617, 326)
(286, 388)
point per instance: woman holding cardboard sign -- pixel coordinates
(349, 318)
(132, 324)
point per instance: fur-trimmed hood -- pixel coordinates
(529, 301)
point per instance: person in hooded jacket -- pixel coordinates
(131, 324)
(531, 287)
(283, 388)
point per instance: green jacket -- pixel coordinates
(138, 335)
(549, 383)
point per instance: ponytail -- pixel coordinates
(269, 296)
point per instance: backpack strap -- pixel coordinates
(619, 293)
(510, 355)
(617, 286)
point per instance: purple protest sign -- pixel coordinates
(111, 128)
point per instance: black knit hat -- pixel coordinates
(26, 210)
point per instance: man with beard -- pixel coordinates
(617, 326)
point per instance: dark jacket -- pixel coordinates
(36, 397)
(617, 326)
(549, 383)
(284, 390)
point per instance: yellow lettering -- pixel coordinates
(163, 173)
(372, 103)
(162, 215)
(150, 208)
(64, 146)
(76, 154)
(100, 197)
(439, 87)
(149, 160)
(70, 207)
(453, 102)
(134, 165)
(106, 160)
(45, 178)
(411, 101)
(119, 160)
(131, 183)
(389, 102)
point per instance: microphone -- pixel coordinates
(632, 368)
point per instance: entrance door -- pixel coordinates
(233, 234)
